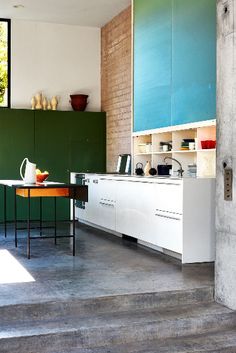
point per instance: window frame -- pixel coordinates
(8, 21)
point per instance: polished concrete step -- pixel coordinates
(118, 303)
(80, 307)
(113, 328)
(217, 342)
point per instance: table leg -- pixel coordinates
(73, 221)
(15, 216)
(5, 210)
(28, 224)
(55, 220)
(40, 216)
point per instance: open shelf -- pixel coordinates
(205, 159)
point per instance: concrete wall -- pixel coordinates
(57, 60)
(116, 85)
(226, 152)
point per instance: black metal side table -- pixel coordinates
(40, 190)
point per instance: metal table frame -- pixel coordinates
(74, 192)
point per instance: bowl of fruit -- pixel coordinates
(41, 176)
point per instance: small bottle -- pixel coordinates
(147, 168)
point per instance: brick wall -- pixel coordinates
(116, 85)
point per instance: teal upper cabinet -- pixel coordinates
(194, 61)
(174, 62)
(152, 62)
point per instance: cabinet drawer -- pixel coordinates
(167, 231)
(168, 197)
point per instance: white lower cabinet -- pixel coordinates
(139, 212)
(106, 204)
(177, 215)
(133, 208)
(91, 207)
(167, 231)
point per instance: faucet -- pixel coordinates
(180, 170)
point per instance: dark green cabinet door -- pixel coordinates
(65, 142)
(59, 142)
(87, 151)
(17, 142)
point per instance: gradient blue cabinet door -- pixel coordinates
(152, 64)
(193, 61)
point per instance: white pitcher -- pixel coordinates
(30, 171)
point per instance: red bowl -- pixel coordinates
(41, 177)
(208, 144)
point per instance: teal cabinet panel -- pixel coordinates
(194, 61)
(16, 143)
(174, 62)
(152, 62)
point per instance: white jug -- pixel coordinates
(30, 172)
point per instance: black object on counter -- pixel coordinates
(139, 169)
(164, 169)
(153, 171)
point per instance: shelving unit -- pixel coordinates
(205, 159)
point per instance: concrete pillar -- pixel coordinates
(226, 152)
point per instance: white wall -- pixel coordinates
(54, 59)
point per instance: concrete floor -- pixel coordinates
(104, 265)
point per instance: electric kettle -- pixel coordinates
(30, 171)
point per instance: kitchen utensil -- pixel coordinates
(30, 171)
(139, 169)
(153, 171)
(164, 169)
(124, 164)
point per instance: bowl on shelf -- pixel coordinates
(208, 144)
(79, 101)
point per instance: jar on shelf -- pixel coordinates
(148, 147)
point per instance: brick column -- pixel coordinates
(116, 85)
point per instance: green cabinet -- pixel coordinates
(57, 141)
(69, 141)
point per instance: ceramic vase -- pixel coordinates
(147, 168)
(38, 105)
(54, 103)
(33, 103)
(49, 106)
(45, 103)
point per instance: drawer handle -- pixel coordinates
(106, 204)
(175, 213)
(161, 215)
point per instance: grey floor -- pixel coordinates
(103, 265)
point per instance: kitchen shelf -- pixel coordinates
(205, 159)
(207, 150)
(143, 154)
(162, 152)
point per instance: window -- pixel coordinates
(5, 29)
